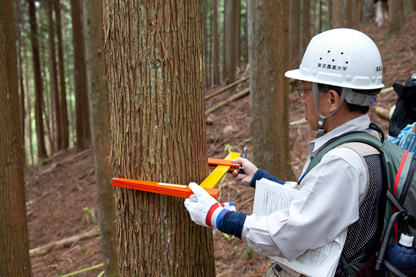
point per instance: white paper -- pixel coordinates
(271, 197)
(320, 262)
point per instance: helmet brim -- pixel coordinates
(297, 75)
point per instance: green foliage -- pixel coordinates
(89, 216)
(228, 148)
(228, 236)
(248, 253)
(234, 250)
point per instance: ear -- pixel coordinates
(333, 100)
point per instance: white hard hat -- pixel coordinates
(341, 57)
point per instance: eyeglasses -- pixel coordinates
(301, 91)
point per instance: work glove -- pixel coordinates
(204, 209)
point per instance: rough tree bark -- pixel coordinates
(100, 130)
(154, 64)
(14, 241)
(268, 37)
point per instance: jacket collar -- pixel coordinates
(357, 124)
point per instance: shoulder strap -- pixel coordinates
(362, 149)
(362, 136)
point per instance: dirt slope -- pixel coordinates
(61, 199)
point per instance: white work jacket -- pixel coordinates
(328, 202)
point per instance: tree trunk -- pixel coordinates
(329, 17)
(64, 126)
(358, 13)
(410, 7)
(305, 25)
(216, 44)
(100, 131)
(338, 14)
(238, 36)
(245, 38)
(40, 135)
(294, 35)
(47, 101)
(81, 92)
(367, 11)
(396, 17)
(205, 43)
(268, 37)
(14, 241)
(29, 107)
(54, 79)
(350, 13)
(18, 19)
(209, 43)
(320, 17)
(231, 34)
(154, 64)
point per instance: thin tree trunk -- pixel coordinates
(320, 17)
(205, 43)
(71, 104)
(210, 47)
(305, 25)
(224, 27)
(329, 15)
(294, 35)
(358, 14)
(157, 133)
(41, 149)
(100, 131)
(54, 79)
(29, 108)
(14, 241)
(338, 14)
(231, 39)
(238, 35)
(18, 19)
(349, 9)
(396, 17)
(47, 100)
(81, 95)
(245, 41)
(216, 52)
(63, 103)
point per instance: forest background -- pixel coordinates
(61, 193)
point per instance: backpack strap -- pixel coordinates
(370, 137)
(362, 149)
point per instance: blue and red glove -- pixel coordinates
(204, 209)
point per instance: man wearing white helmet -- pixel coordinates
(339, 78)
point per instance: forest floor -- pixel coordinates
(61, 194)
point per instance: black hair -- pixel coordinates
(351, 107)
